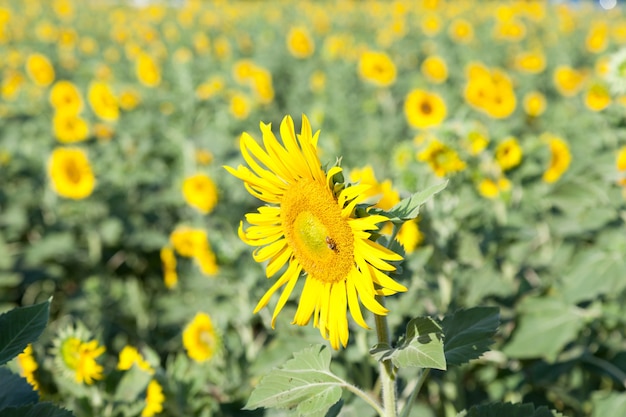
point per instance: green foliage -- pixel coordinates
(422, 347)
(468, 333)
(21, 326)
(409, 208)
(304, 384)
(509, 410)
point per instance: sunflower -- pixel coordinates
(424, 109)
(597, 97)
(200, 339)
(309, 225)
(560, 158)
(435, 69)
(147, 70)
(28, 366)
(154, 399)
(300, 43)
(200, 192)
(40, 70)
(130, 356)
(65, 95)
(103, 103)
(534, 103)
(68, 127)
(75, 355)
(509, 153)
(377, 68)
(70, 173)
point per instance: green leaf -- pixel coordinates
(509, 410)
(304, 384)
(408, 208)
(545, 326)
(469, 333)
(36, 410)
(133, 383)
(21, 326)
(14, 390)
(422, 346)
(608, 404)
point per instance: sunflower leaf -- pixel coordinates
(409, 207)
(304, 384)
(21, 326)
(468, 333)
(511, 410)
(422, 346)
(44, 409)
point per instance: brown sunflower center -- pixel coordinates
(320, 238)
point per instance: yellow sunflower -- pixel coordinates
(40, 70)
(424, 109)
(28, 366)
(70, 173)
(65, 95)
(377, 68)
(560, 158)
(154, 399)
(200, 339)
(309, 227)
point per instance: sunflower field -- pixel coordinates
(204, 203)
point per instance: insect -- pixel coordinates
(331, 244)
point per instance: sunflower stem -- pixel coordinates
(387, 370)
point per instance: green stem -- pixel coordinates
(416, 390)
(365, 397)
(387, 370)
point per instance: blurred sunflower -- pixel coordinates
(620, 165)
(70, 173)
(424, 109)
(28, 366)
(531, 62)
(75, 355)
(476, 142)
(431, 24)
(597, 97)
(154, 399)
(168, 262)
(200, 338)
(102, 101)
(560, 158)
(511, 30)
(194, 243)
(300, 43)
(200, 192)
(240, 106)
(40, 70)
(567, 80)
(309, 226)
(435, 69)
(490, 91)
(597, 39)
(442, 159)
(130, 356)
(147, 70)
(461, 31)
(491, 189)
(508, 153)
(534, 104)
(68, 127)
(64, 95)
(377, 68)
(129, 99)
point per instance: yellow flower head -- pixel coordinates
(476, 142)
(512, 30)
(620, 165)
(509, 153)
(154, 399)
(300, 43)
(240, 106)
(490, 91)
(200, 192)
(377, 68)
(597, 97)
(102, 101)
(130, 356)
(424, 109)
(262, 85)
(532, 62)
(65, 96)
(534, 104)
(129, 99)
(309, 227)
(200, 339)
(559, 160)
(491, 189)
(597, 37)
(28, 365)
(69, 127)
(70, 173)
(147, 70)
(461, 31)
(435, 69)
(194, 243)
(431, 24)
(567, 80)
(75, 355)
(442, 159)
(168, 261)
(40, 70)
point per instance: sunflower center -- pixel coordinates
(320, 238)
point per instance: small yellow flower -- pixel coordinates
(491, 189)
(597, 97)
(64, 95)
(620, 164)
(194, 243)
(461, 31)
(532, 62)
(200, 192)
(435, 69)
(129, 99)
(424, 109)
(28, 365)
(377, 68)
(168, 261)
(154, 399)
(597, 37)
(240, 106)
(534, 103)
(210, 88)
(78, 359)
(560, 158)
(300, 43)
(317, 82)
(200, 339)
(130, 356)
(509, 153)
(147, 70)
(69, 127)
(70, 173)
(431, 24)
(442, 159)
(567, 80)
(204, 157)
(476, 142)
(102, 101)
(40, 70)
